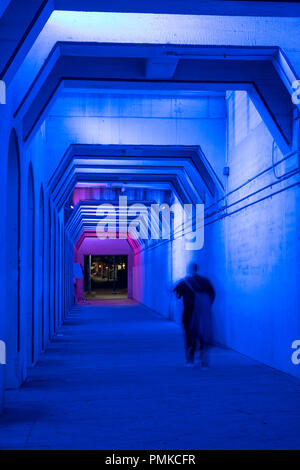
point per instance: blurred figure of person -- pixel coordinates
(198, 295)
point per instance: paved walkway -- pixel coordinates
(114, 379)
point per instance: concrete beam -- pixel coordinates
(161, 68)
(232, 73)
(187, 7)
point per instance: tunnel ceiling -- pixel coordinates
(135, 245)
(56, 48)
(181, 169)
(184, 168)
(25, 24)
(85, 219)
(74, 65)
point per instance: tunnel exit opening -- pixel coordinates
(105, 277)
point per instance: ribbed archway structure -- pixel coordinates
(111, 110)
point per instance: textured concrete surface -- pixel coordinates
(114, 379)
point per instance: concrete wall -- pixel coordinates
(137, 119)
(260, 246)
(45, 293)
(251, 253)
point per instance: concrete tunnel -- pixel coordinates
(159, 105)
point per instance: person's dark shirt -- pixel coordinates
(182, 290)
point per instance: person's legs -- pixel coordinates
(204, 353)
(190, 347)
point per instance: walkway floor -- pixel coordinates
(114, 379)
